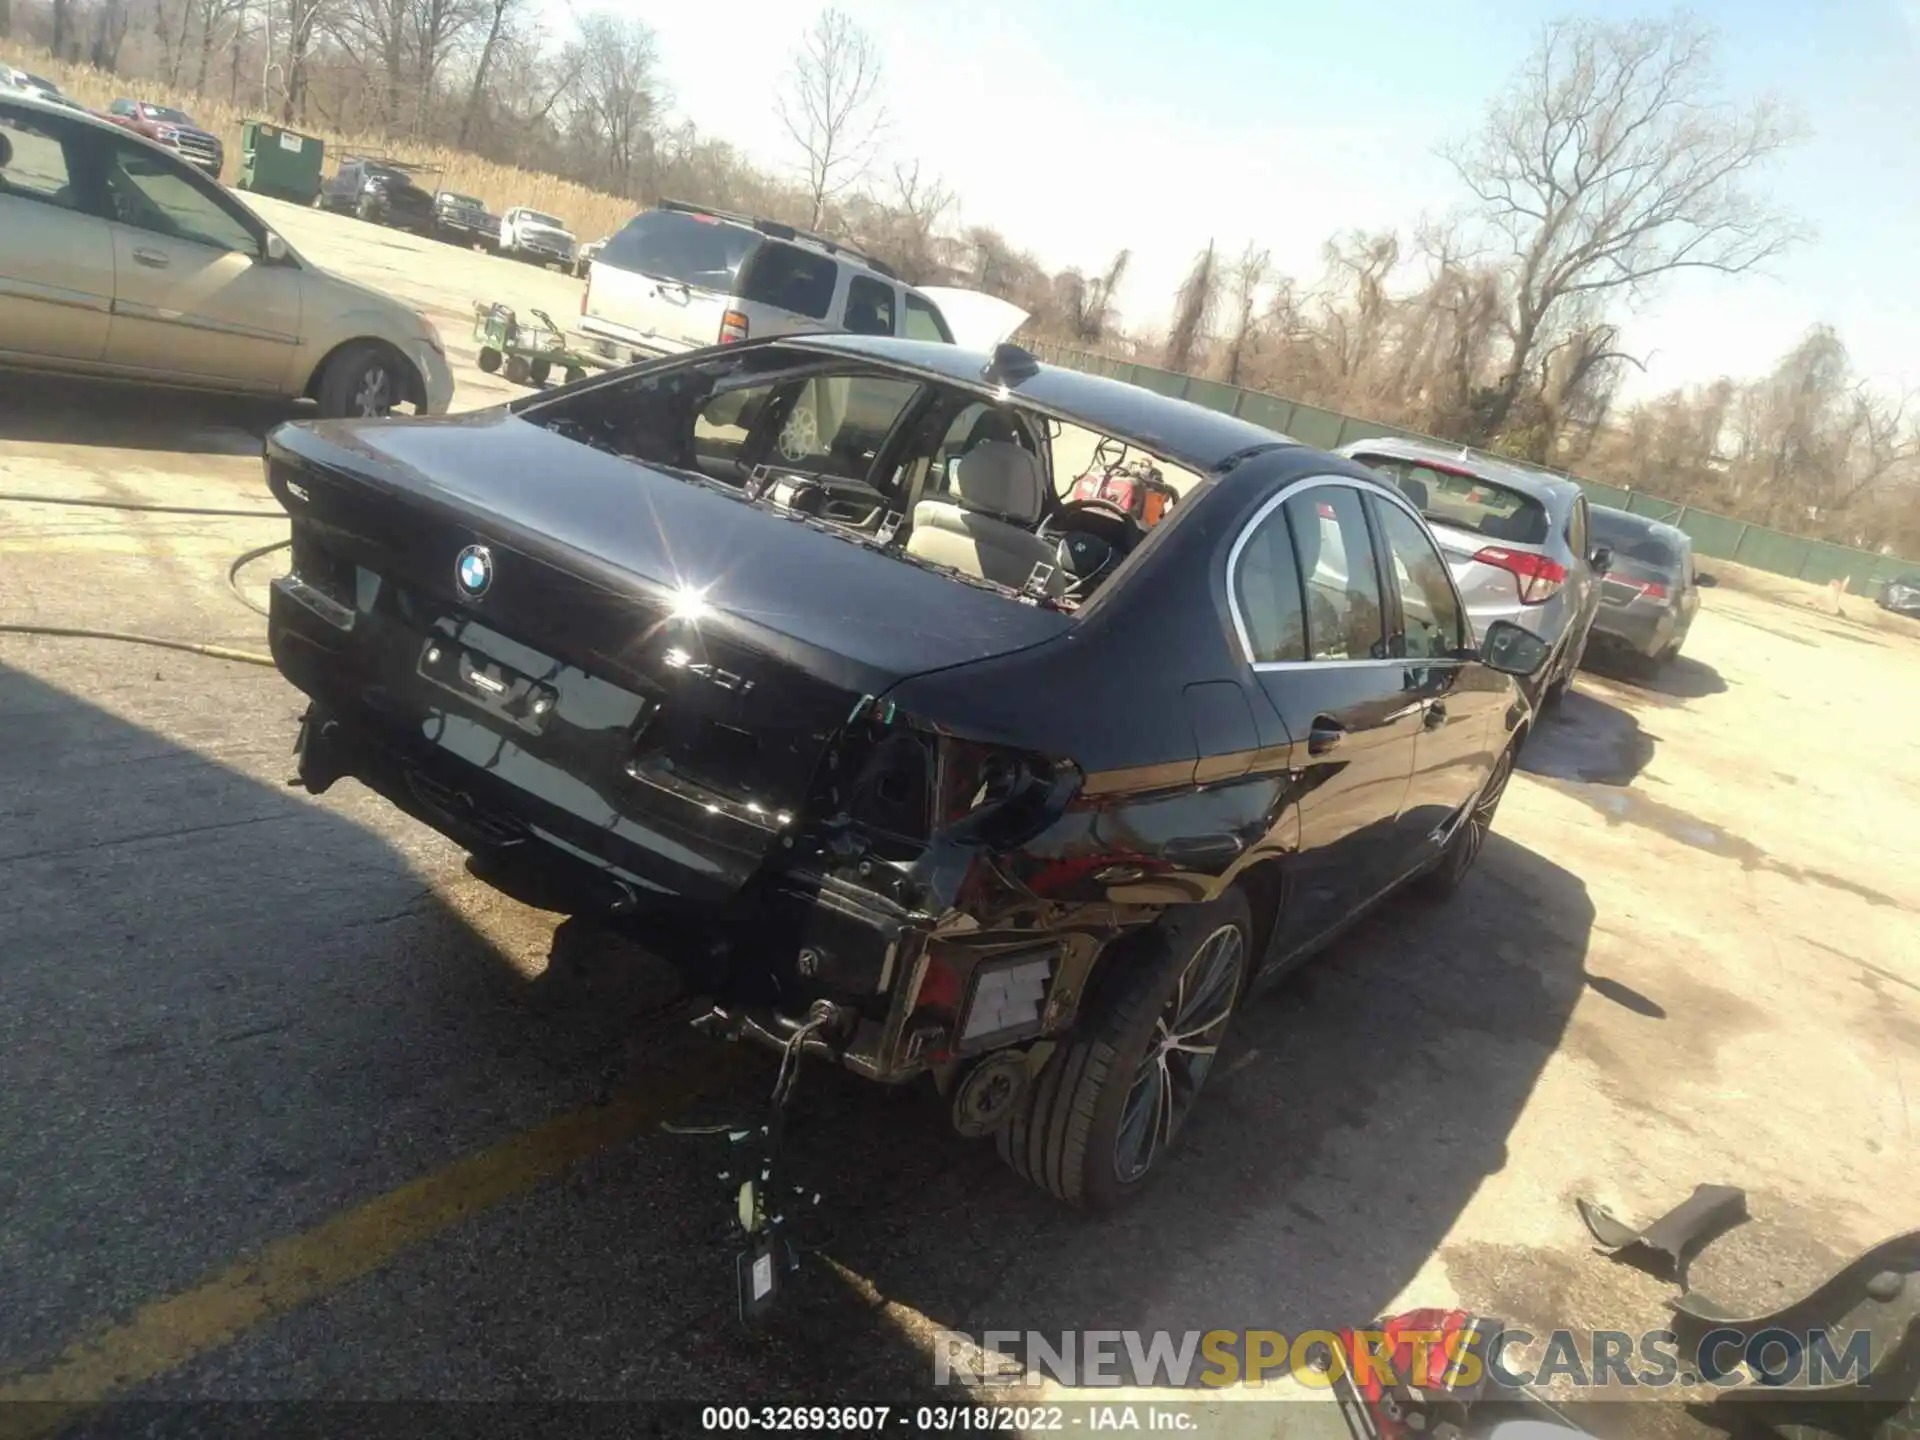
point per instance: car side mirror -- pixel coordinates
(1513, 649)
(275, 249)
(1601, 559)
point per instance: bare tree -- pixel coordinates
(1247, 279)
(832, 107)
(1193, 309)
(1610, 165)
(497, 13)
(616, 95)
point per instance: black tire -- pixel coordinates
(1457, 859)
(575, 375)
(1066, 1138)
(489, 360)
(364, 211)
(518, 371)
(364, 381)
(541, 370)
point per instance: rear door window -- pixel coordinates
(836, 424)
(789, 278)
(669, 245)
(1344, 616)
(1429, 609)
(869, 306)
(1266, 593)
(34, 160)
(924, 320)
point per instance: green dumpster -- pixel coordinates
(279, 162)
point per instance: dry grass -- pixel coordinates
(588, 213)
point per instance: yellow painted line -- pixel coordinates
(165, 1334)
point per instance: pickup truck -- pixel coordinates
(529, 235)
(464, 220)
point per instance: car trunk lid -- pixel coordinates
(662, 668)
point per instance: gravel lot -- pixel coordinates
(292, 1106)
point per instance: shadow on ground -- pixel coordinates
(234, 1012)
(1588, 740)
(62, 410)
(1681, 678)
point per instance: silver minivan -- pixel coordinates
(1515, 538)
(679, 277)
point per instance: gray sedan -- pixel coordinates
(1651, 590)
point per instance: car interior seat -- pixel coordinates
(984, 527)
(1415, 491)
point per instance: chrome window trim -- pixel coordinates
(1260, 516)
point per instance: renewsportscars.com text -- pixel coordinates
(1512, 1358)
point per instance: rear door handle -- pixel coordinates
(152, 259)
(1436, 714)
(1325, 733)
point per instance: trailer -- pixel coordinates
(528, 354)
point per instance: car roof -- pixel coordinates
(1540, 484)
(1176, 430)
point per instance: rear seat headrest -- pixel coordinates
(1001, 479)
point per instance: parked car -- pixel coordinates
(1515, 538)
(173, 128)
(585, 255)
(123, 260)
(1651, 590)
(535, 237)
(381, 192)
(464, 220)
(964, 782)
(678, 277)
(1901, 595)
(12, 78)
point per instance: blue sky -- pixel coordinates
(1079, 126)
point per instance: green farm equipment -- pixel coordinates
(279, 162)
(528, 354)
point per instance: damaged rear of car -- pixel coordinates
(796, 651)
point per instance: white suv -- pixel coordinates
(679, 277)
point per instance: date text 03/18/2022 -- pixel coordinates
(945, 1419)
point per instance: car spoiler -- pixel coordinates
(979, 321)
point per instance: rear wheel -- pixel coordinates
(1467, 842)
(541, 369)
(1110, 1102)
(488, 360)
(518, 371)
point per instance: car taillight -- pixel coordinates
(1539, 577)
(1652, 589)
(733, 327)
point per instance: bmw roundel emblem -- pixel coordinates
(474, 571)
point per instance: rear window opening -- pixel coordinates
(1463, 501)
(672, 245)
(881, 459)
(1637, 545)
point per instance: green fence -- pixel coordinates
(1719, 536)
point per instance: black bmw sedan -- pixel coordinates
(801, 643)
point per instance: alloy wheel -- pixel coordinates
(1180, 1052)
(373, 397)
(1481, 820)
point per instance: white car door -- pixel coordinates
(195, 297)
(56, 264)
